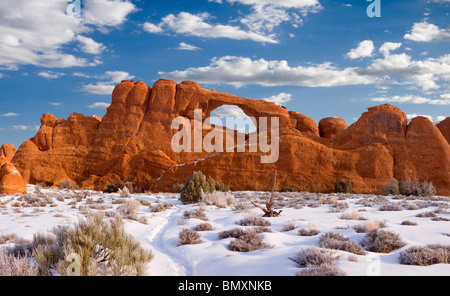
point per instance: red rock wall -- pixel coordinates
(132, 142)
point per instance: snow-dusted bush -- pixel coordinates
(101, 246)
(124, 192)
(391, 188)
(321, 270)
(391, 207)
(382, 241)
(16, 266)
(426, 255)
(160, 207)
(338, 207)
(198, 214)
(189, 237)
(368, 226)
(314, 256)
(254, 220)
(409, 188)
(308, 232)
(129, 209)
(203, 227)
(238, 232)
(337, 241)
(249, 241)
(219, 199)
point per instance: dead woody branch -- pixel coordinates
(269, 211)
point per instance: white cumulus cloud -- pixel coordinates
(364, 49)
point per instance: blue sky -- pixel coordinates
(321, 58)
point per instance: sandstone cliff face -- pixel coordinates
(444, 127)
(11, 181)
(132, 142)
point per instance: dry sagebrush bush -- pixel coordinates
(391, 207)
(160, 207)
(314, 256)
(368, 226)
(321, 270)
(352, 216)
(382, 241)
(198, 214)
(337, 241)
(219, 199)
(189, 237)
(102, 245)
(249, 241)
(289, 226)
(16, 266)
(238, 232)
(203, 227)
(426, 255)
(338, 207)
(308, 232)
(317, 262)
(254, 220)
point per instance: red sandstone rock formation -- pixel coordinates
(444, 127)
(8, 151)
(330, 126)
(11, 182)
(132, 142)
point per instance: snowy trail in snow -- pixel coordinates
(164, 243)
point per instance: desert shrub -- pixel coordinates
(321, 270)
(308, 232)
(196, 186)
(216, 186)
(368, 226)
(338, 207)
(352, 216)
(118, 186)
(16, 266)
(189, 237)
(68, 184)
(426, 189)
(177, 187)
(219, 199)
(160, 207)
(426, 215)
(410, 223)
(314, 256)
(100, 246)
(238, 232)
(249, 241)
(289, 189)
(414, 188)
(198, 214)
(129, 209)
(234, 233)
(289, 226)
(254, 220)
(343, 187)
(391, 188)
(382, 241)
(337, 241)
(391, 207)
(125, 192)
(426, 255)
(242, 206)
(203, 227)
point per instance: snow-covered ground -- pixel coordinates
(159, 231)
